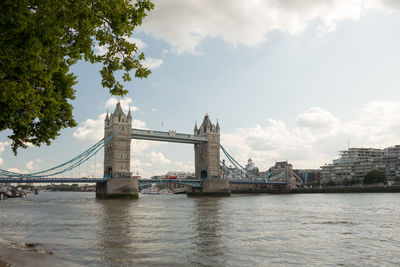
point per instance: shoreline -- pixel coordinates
(4, 264)
(318, 190)
(347, 189)
(13, 253)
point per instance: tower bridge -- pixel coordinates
(206, 141)
(212, 176)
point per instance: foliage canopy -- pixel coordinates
(40, 40)
(374, 177)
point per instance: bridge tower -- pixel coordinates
(207, 162)
(207, 154)
(117, 157)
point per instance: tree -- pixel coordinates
(346, 182)
(40, 40)
(375, 176)
(330, 183)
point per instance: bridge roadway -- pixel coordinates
(142, 182)
(170, 136)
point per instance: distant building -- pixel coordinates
(249, 166)
(175, 175)
(355, 163)
(309, 175)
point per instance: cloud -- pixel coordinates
(316, 137)
(185, 24)
(138, 124)
(101, 50)
(154, 110)
(317, 120)
(152, 63)
(139, 43)
(16, 170)
(158, 158)
(125, 104)
(90, 130)
(30, 165)
(3, 146)
(186, 167)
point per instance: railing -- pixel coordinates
(50, 180)
(170, 136)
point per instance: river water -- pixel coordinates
(175, 230)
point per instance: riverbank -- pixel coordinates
(26, 254)
(348, 189)
(259, 189)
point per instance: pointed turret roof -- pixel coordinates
(217, 127)
(206, 122)
(107, 117)
(118, 110)
(129, 113)
(195, 126)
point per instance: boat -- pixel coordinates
(165, 191)
(151, 191)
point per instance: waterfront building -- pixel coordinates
(355, 163)
(309, 176)
(249, 166)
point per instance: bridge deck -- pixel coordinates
(170, 136)
(142, 182)
(51, 180)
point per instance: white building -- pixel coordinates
(355, 163)
(249, 166)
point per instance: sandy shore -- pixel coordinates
(28, 254)
(16, 257)
(4, 264)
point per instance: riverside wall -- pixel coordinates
(282, 189)
(349, 189)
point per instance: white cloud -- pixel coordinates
(154, 110)
(30, 165)
(101, 50)
(139, 43)
(138, 124)
(152, 63)
(3, 145)
(318, 121)
(317, 136)
(158, 158)
(91, 130)
(125, 104)
(186, 167)
(16, 170)
(185, 24)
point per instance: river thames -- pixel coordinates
(75, 229)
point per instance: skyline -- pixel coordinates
(295, 91)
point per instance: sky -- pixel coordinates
(287, 80)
